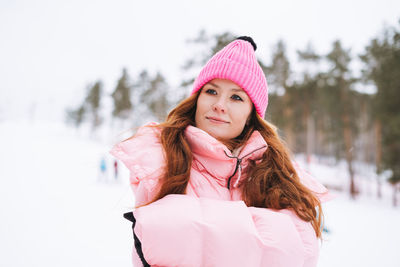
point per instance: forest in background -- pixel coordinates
(323, 107)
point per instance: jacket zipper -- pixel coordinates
(238, 162)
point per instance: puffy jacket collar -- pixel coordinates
(214, 157)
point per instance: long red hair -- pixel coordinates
(274, 182)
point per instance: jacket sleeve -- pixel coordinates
(311, 183)
(180, 230)
(144, 157)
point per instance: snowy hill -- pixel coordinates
(56, 211)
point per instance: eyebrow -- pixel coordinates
(233, 89)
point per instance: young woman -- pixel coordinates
(214, 184)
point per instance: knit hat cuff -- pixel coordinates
(239, 74)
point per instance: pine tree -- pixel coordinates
(340, 102)
(75, 116)
(278, 74)
(382, 67)
(122, 97)
(307, 97)
(156, 97)
(140, 112)
(93, 103)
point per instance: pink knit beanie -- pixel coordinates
(237, 62)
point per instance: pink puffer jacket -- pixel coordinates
(211, 225)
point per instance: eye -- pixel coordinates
(236, 97)
(211, 92)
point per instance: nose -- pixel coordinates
(219, 105)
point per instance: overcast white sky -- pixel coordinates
(50, 50)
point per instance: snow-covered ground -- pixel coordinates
(56, 212)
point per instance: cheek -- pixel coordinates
(200, 109)
(239, 122)
(201, 103)
(241, 115)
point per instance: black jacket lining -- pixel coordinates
(138, 245)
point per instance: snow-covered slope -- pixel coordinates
(56, 212)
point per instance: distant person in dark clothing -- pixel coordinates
(116, 169)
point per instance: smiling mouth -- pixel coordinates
(216, 120)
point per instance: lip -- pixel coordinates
(216, 120)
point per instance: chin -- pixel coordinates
(219, 136)
(219, 132)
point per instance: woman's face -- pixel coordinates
(222, 109)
